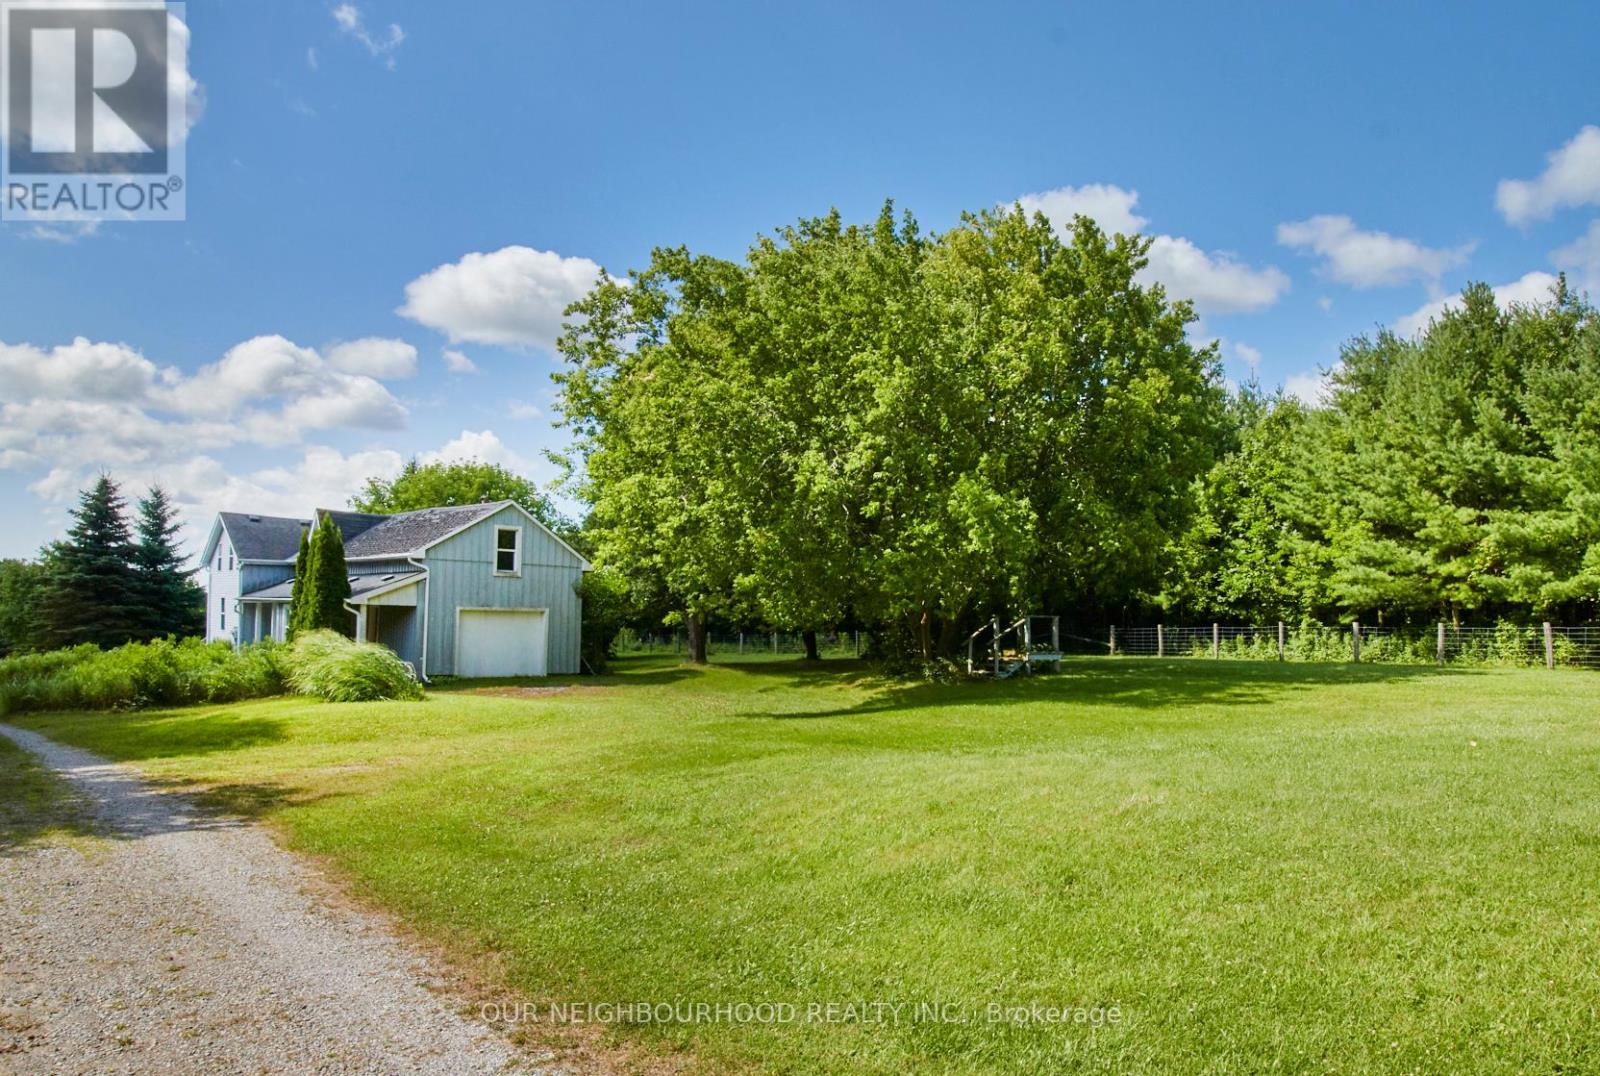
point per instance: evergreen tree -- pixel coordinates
(21, 582)
(330, 585)
(91, 592)
(300, 598)
(170, 602)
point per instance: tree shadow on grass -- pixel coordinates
(620, 677)
(1143, 684)
(139, 735)
(36, 805)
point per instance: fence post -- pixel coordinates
(858, 642)
(1055, 635)
(1216, 640)
(1113, 640)
(1161, 641)
(774, 642)
(1549, 647)
(1280, 640)
(994, 625)
(1441, 642)
(1355, 639)
(741, 642)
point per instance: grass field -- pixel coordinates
(1258, 866)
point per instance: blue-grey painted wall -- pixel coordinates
(254, 577)
(461, 576)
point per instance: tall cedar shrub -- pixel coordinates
(300, 598)
(330, 583)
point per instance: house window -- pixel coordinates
(230, 560)
(219, 560)
(507, 550)
(222, 614)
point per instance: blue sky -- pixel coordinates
(421, 180)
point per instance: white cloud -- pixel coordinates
(1109, 206)
(457, 363)
(1581, 258)
(271, 369)
(80, 370)
(482, 445)
(522, 409)
(1528, 289)
(84, 406)
(66, 233)
(1217, 283)
(1250, 356)
(1325, 303)
(1309, 388)
(1365, 259)
(374, 356)
(1571, 178)
(513, 297)
(381, 46)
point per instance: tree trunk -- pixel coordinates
(810, 638)
(923, 639)
(696, 625)
(949, 636)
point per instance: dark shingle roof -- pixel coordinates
(351, 524)
(395, 536)
(263, 537)
(359, 585)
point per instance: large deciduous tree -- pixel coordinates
(432, 485)
(898, 427)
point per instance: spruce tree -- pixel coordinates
(91, 592)
(331, 584)
(300, 598)
(170, 602)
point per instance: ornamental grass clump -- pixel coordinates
(332, 667)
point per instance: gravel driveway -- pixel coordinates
(180, 942)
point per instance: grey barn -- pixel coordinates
(469, 590)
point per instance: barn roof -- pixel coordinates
(409, 532)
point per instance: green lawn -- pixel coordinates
(35, 805)
(1260, 866)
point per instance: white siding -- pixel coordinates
(222, 593)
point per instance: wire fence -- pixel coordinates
(1506, 645)
(1510, 645)
(752, 645)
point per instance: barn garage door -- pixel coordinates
(501, 642)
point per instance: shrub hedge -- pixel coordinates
(177, 673)
(159, 673)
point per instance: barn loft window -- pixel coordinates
(507, 550)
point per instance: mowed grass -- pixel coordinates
(35, 805)
(1260, 866)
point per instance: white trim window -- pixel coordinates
(508, 551)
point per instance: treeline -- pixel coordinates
(109, 581)
(870, 426)
(1453, 477)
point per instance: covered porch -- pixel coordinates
(386, 608)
